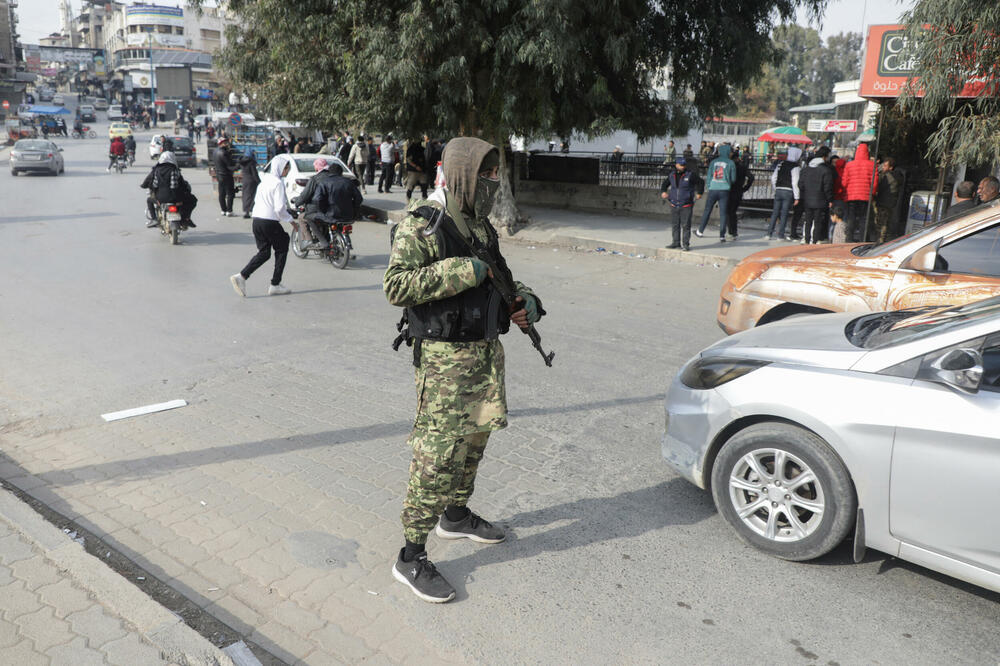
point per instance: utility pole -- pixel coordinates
(152, 80)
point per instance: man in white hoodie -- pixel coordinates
(785, 180)
(270, 209)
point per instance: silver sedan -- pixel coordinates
(36, 155)
(885, 425)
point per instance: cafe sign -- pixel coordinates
(887, 66)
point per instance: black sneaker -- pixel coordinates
(422, 577)
(673, 246)
(471, 527)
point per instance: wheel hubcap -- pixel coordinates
(777, 495)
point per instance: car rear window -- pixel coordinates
(182, 142)
(31, 145)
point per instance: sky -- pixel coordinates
(40, 17)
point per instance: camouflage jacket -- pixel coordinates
(460, 385)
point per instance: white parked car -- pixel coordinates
(115, 112)
(881, 425)
(302, 170)
(58, 99)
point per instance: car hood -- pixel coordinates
(823, 253)
(816, 340)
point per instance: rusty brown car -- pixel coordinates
(953, 262)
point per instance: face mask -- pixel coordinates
(486, 193)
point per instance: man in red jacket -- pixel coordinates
(859, 176)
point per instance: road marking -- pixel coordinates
(139, 411)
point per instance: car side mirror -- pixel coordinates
(958, 368)
(922, 260)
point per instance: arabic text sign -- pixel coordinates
(833, 126)
(887, 67)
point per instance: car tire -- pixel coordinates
(13, 172)
(784, 523)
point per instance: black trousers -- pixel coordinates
(227, 190)
(854, 227)
(735, 199)
(814, 220)
(370, 179)
(681, 220)
(268, 234)
(386, 177)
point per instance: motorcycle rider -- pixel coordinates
(78, 126)
(116, 150)
(338, 198)
(308, 199)
(167, 185)
(130, 149)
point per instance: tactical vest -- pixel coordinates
(478, 313)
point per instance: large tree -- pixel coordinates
(804, 73)
(500, 67)
(953, 42)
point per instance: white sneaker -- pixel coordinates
(278, 290)
(239, 284)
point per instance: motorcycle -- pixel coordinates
(339, 251)
(84, 132)
(131, 157)
(121, 163)
(168, 217)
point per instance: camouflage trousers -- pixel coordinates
(442, 473)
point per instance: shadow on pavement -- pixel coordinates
(593, 520)
(55, 218)
(216, 238)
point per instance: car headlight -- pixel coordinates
(708, 373)
(745, 273)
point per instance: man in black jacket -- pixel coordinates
(338, 197)
(744, 181)
(224, 168)
(816, 194)
(166, 185)
(308, 198)
(681, 189)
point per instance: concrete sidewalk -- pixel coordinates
(629, 235)
(63, 606)
(646, 236)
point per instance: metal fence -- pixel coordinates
(649, 171)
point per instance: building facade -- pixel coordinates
(141, 39)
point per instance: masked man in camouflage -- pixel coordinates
(455, 317)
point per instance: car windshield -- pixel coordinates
(305, 166)
(31, 145)
(181, 142)
(872, 249)
(885, 329)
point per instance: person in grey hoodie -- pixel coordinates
(721, 176)
(785, 179)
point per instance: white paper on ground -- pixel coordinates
(148, 409)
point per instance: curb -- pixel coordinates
(155, 624)
(691, 257)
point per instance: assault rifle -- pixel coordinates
(499, 275)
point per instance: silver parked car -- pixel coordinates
(886, 425)
(36, 155)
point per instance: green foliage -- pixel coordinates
(904, 138)
(959, 43)
(804, 72)
(496, 67)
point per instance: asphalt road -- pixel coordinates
(272, 499)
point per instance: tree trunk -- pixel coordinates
(505, 214)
